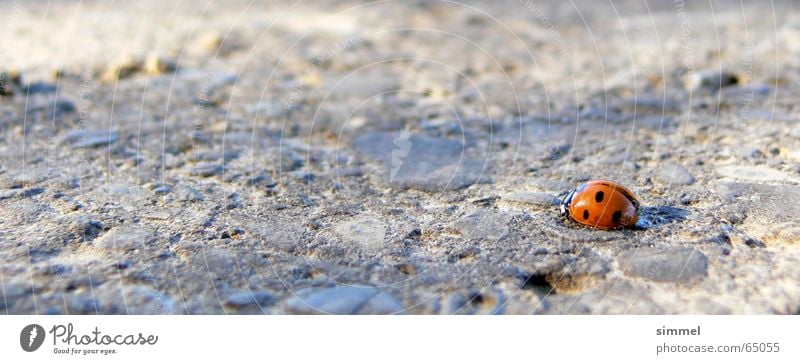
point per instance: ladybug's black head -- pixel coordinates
(566, 202)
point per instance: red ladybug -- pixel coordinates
(602, 204)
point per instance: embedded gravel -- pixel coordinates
(396, 157)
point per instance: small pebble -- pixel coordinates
(123, 67)
(33, 192)
(188, 194)
(156, 65)
(207, 42)
(710, 80)
(212, 156)
(90, 138)
(365, 232)
(483, 224)
(754, 173)
(673, 174)
(206, 170)
(162, 189)
(52, 107)
(8, 81)
(249, 298)
(672, 265)
(261, 180)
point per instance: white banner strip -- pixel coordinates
(399, 339)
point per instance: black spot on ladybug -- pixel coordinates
(598, 196)
(585, 214)
(617, 215)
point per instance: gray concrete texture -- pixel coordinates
(399, 157)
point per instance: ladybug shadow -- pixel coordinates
(655, 216)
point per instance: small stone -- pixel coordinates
(261, 180)
(58, 73)
(750, 152)
(289, 162)
(673, 174)
(127, 238)
(754, 243)
(710, 80)
(422, 162)
(52, 108)
(231, 177)
(132, 299)
(188, 194)
(213, 156)
(156, 65)
(472, 302)
(345, 300)
(770, 207)
(487, 201)
(86, 229)
(123, 67)
(675, 265)
(90, 138)
(32, 192)
(11, 76)
(206, 170)
(40, 88)
(162, 189)
(306, 176)
(365, 231)
(483, 224)
(280, 233)
(171, 161)
(8, 81)
(754, 174)
(311, 79)
(207, 42)
(249, 298)
(23, 179)
(349, 172)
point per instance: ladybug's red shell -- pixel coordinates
(602, 204)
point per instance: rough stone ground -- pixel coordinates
(396, 157)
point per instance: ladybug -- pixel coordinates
(602, 204)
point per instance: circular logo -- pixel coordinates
(31, 337)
